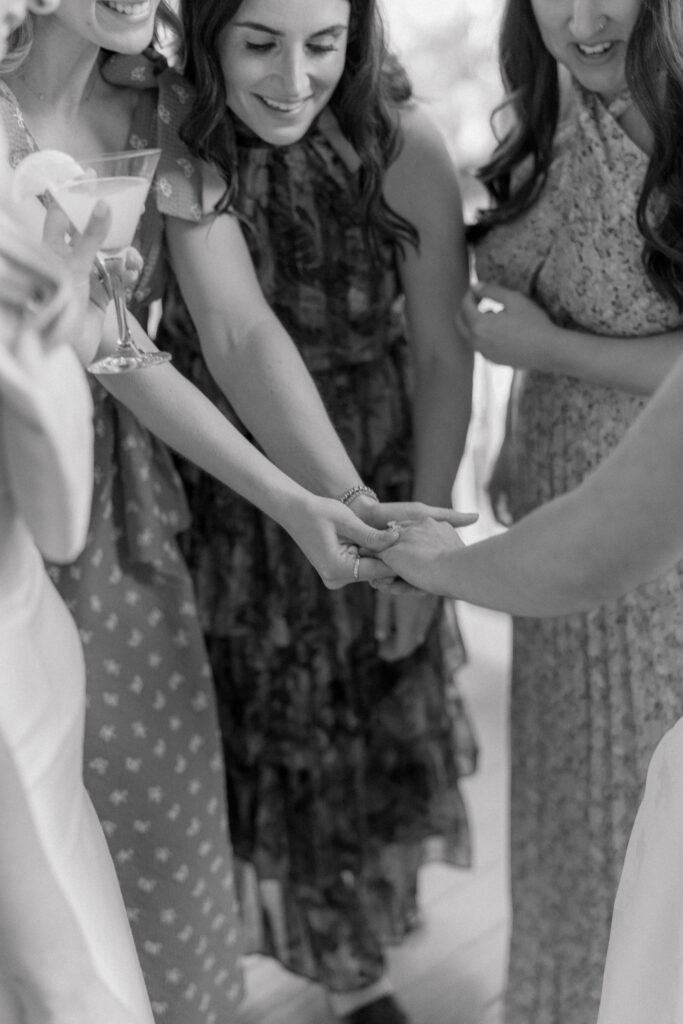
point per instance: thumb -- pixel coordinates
(368, 538)
(85, 246)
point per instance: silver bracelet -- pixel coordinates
(347, 497)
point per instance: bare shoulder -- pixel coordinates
(423, 173)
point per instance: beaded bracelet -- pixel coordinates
(347, 497)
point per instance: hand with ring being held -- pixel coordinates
(519, 333)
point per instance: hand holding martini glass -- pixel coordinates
(122, 180)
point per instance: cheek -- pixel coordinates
(334, 74)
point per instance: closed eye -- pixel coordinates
(319, 48)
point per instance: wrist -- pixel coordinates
(357, 493)
(295, 511)
(557, 359)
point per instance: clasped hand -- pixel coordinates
(334, 538)
(421, 557)
(523, 335)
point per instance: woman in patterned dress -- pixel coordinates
(622, 525)
(152, 754)
(343, 736)
(583, 248)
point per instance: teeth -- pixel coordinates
(592, 51)
(285, 108)
(139, 8)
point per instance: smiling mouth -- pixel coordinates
(138, 11)
(281, 106)
(596, 50)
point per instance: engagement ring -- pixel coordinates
(356, 568)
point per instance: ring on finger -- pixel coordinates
(356, 568)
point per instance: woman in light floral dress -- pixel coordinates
(583, 248)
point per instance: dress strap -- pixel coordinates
(19, 140)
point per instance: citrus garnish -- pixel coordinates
(41, 172)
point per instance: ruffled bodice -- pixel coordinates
(303, 225)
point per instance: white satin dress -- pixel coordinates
(60, 906)
(643, 980)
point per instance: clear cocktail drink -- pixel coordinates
(124, 196)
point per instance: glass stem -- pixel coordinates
(114, 267)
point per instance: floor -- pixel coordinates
(452, 970)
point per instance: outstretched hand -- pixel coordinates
(340, 545)
(348, 546)
(380, 513)
(421, 556)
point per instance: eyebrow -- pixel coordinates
(335, 30)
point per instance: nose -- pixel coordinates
(586, 20)
(294, 72)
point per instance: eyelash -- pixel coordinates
(317, 50)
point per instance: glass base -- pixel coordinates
(124, 361)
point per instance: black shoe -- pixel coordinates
(385, 1010)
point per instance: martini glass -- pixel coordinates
(122, 180)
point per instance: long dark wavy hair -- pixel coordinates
(364, 103)
(654, 72)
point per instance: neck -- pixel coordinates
(61, 66)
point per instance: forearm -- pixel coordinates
(622, 526)
(266, 381)
(173, 409)
(441, 412)
(635, 365)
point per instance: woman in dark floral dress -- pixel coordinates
(152, 761)
(343, 732)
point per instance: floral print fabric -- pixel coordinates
(152, 762)
(339, 765)
(591, 694)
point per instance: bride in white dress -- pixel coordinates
(66, 952)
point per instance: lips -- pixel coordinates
(138, 11)
(596, 50)
(282, 106)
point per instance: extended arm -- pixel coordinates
(175, 410)
(621, 527)
(252, 358)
